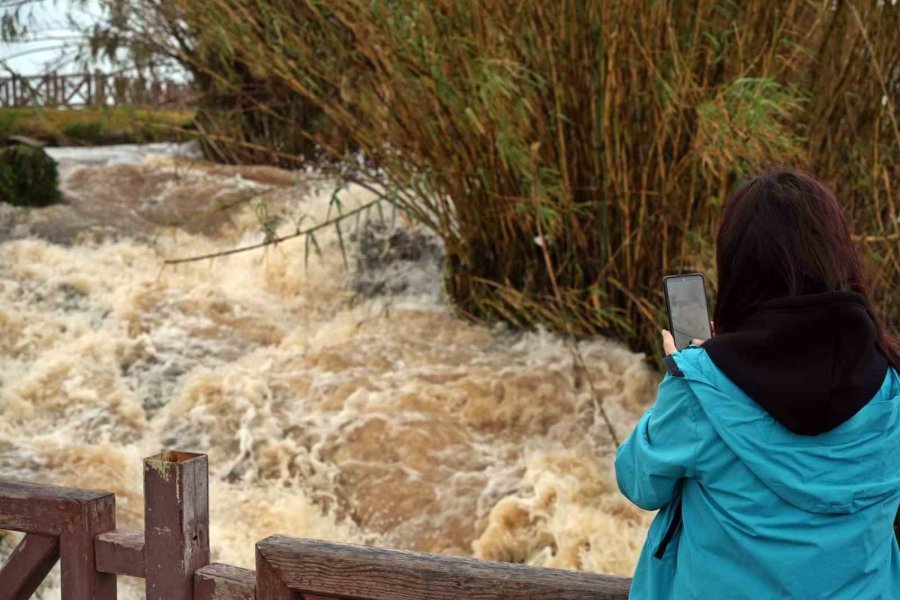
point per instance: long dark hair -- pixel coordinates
(783, 233)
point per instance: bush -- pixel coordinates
(571, 154)
(28, 176)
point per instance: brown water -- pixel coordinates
(374, 418)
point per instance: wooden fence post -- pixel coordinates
(176, 523)
(80, 578)
(97, 91)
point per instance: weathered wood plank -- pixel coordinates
(351, 571)
(44, 509)
(176, 521)
(27, 566)
(270, 584)
(80, 578)
(224, 582)
(121, 552)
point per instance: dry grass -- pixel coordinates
(569, 154)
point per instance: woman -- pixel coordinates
(773, 450)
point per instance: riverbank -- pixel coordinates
(96, 126)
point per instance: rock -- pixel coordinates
(24, 140)
(392, 261)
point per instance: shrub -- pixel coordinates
(28, 176)
(569, 154)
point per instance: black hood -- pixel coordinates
(812, 362)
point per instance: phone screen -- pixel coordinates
(688, 311)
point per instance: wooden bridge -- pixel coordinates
(78, 528)
(91, 89)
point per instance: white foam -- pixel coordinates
(378, 419)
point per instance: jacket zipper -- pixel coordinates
(670, 532)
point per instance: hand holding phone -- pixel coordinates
(687, 307)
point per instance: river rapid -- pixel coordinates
(336, 401)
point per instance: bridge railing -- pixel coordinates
(55, 90)
(77, 527)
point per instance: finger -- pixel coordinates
(668, 342)
(712, 327)
(697, 342)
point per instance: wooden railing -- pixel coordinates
(77, 527)
(91, 89)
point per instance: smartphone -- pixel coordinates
(687, 307)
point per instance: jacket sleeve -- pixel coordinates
(662, 448)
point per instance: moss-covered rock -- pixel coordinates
(28, 176)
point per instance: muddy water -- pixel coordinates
(334, 402)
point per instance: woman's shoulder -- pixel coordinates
(677, 391)
(694, 377)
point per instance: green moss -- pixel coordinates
(28, 176)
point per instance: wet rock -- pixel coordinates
(396, 260)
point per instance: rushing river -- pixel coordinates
(335, 401)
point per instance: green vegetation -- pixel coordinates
(96, 126)
(568, 154)
(28, 176)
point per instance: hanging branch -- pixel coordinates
(277, 240)
(599, 408)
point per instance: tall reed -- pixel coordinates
(571, 153)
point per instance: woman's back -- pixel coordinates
(766, 513)
(772, 451)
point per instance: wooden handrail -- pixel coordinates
(287, 565)
(121, 552)
(224, 582)
(70, 517)
(173, 555)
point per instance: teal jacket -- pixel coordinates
(748, 509)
